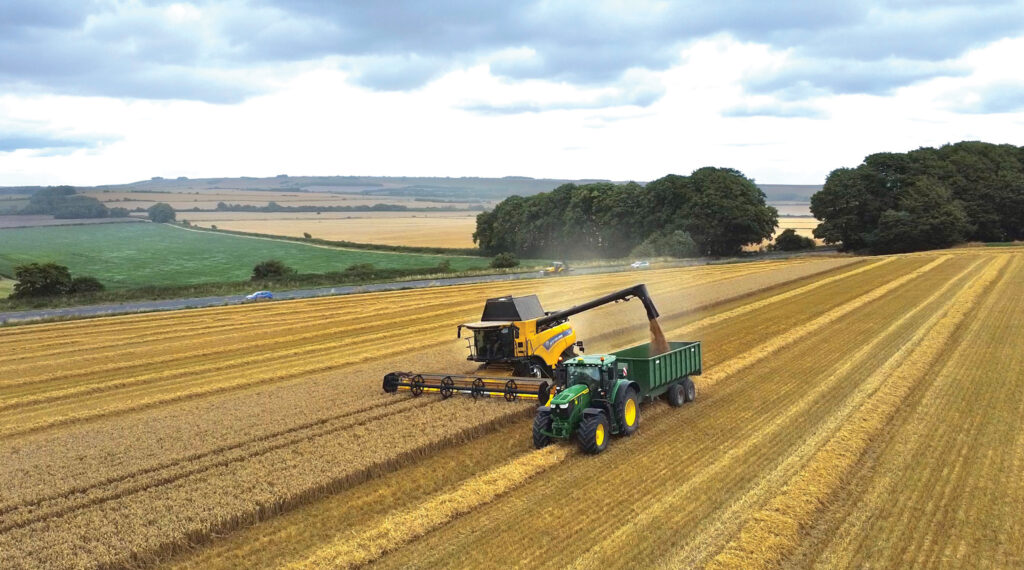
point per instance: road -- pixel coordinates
(197, 302)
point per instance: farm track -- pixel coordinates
(315, 466)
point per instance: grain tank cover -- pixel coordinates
(512, 309)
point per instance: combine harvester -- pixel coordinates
(515, 333)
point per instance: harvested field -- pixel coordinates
(802, 225)
(208, 199)
(204, 217)
(832, 427)
(408, 229)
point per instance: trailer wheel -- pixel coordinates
(689, 390)
(593, 433)
(541, 422)
(627, 411)
(676, 397)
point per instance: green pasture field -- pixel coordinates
(137, 255)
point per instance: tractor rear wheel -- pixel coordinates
(541, 423)
(627, 411)
(676, 397)
(689, 390)
(593, 433)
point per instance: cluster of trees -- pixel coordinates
(714, 211)
(277, 270)
(789, 240)
(161, 213)
(63, 202)
(271, 269)
(275, 207)
(50, 280)
(924, 199)
(504, 261)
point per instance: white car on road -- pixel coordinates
(259, 295)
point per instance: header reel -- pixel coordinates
(447, 385)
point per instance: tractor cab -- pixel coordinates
(596, 372)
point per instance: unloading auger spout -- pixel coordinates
(637, 291)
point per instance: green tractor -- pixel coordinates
(601, 398)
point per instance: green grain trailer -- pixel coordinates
(601, 394)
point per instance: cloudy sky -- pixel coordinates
(110, 91)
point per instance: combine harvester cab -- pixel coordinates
(602, 393)
(516, 333)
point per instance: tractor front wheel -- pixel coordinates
(627, 411)
(593, 433)
(541, 423)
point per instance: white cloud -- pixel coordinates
(468, 117)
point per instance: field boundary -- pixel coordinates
(329, 244)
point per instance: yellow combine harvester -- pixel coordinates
(516, 333)
(556, 268)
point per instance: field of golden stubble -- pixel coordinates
(409, 229)
(260, 435)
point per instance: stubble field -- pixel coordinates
(207, 199)
(852, 412)
(422, 229)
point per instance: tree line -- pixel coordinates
(50, 279)
(64, 203)
(713, 211)
(275, 207)
(924, 199)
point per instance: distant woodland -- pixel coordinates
(924, 199)
(713, 211)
